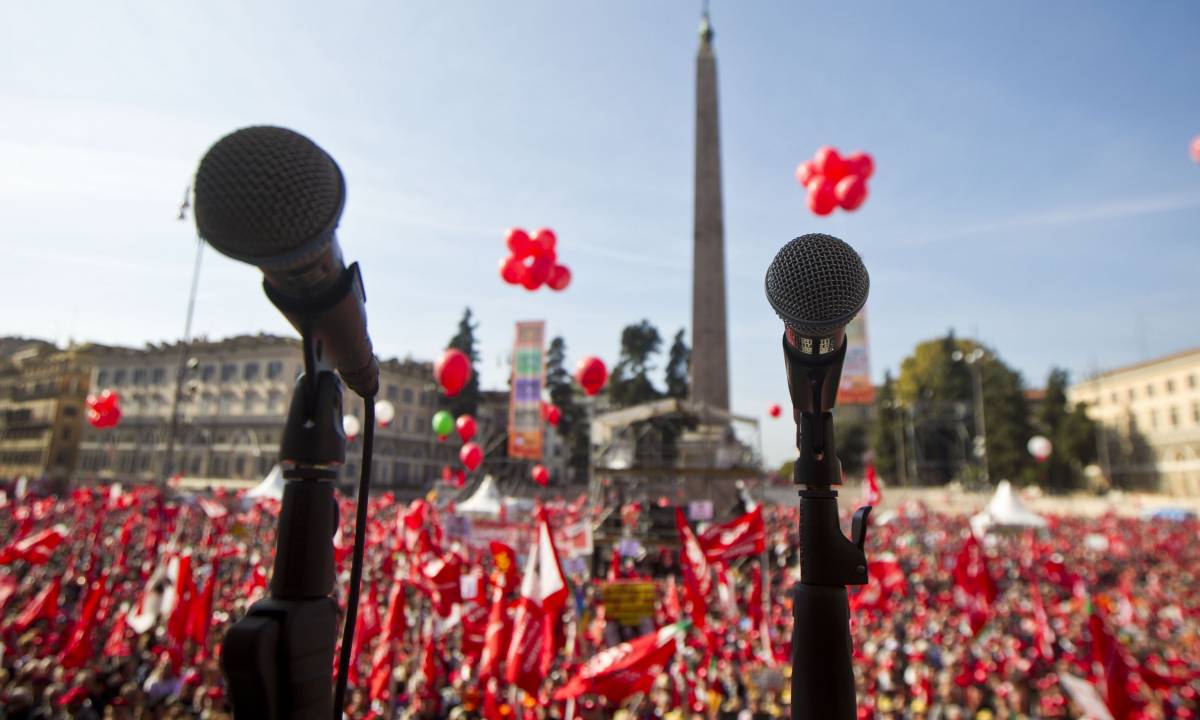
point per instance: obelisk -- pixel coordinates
(710, 351)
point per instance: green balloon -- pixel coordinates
(443, 423)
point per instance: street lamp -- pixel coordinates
(972, 359)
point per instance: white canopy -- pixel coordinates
(1005, 510)
(485, 501)
(271, 486)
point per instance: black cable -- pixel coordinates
(360, 537)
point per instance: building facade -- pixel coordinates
(232, 411)
(1150, 412)
(42, 408)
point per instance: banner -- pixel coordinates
(856, 388)
(629, 602)
(525, 401)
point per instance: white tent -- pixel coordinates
(484, 502)
(271, 487)
(1005, 510)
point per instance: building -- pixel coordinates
(232, 411)
(42, 407)
(1151, 414)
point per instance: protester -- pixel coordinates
(113, 605)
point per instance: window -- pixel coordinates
(250, 371)
(70, 411)
(1154, 419)
(119, 377)
(226, 405)
(1132, 395)
(249, 403)
(66, 433)
(275, 403)
(1114, 398)
(1149, 391)
(1196, 412)
(102, 378)
(1170, 386)
(274, 369)
(228, 372)
(139, 376)
(158, 376)
(393, 393)
(240, 466)
(208, 372)
(1173, 417)
(404, 422)
(408, 396)
(1191, 381)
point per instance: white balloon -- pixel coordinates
(351, 425)
(1039, 447)
(385, 412)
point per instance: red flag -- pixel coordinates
(200, 618)
(474, 632)
(621, 671)
(539, 610)
(43, 606)
(671, 607)
(491, 703)
(366, 626)
(185, 595)
(1044, 635)
(256, 584)
(429, 665)
(444, 575)
(380, 680)
(79, 646)
(8, 588)
(742, 536)
(974, 588)
(1116, 667)
(614, 565)
(697, 580)
(505, 559)
(35, 549)
(117, 645)
(496, 636)
(396, 622)
(755, 611)
(872, 495)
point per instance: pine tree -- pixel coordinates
(630, 382)
(572, 426)
(887, 430)
(466, 401)
(1071, 432)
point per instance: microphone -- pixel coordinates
(271, 197)
(816, 284)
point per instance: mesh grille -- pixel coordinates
(817, 284)
(264, 191)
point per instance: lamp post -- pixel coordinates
(972, 359)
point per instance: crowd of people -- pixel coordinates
(114, 603)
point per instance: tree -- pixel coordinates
(1070, 430)
(935, 384)
(851, 444)
(678, 359)
(630, 382)
(572, 426)
(467, 400)
(887, 432)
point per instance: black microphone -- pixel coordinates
(271, 197)
(817, 284)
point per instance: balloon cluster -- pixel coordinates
(833, 181)
(591, 374)
(443, 423)
(533, 261)
(104, 410)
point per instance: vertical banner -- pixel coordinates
(525, 402)
(856, 388)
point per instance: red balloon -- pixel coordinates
(553, 415)
(559, 278)
(471, 456)
(591, 374)
(452, 371)
(851, 192)
(861, 164)
(822, 196)
(774, 410)
(104, 410)
(518, 243)
(830, 164)
(805, 171)
(544, 241)
(512, 270)
(465, 425)
(537, 269)
(460, 478)
(1196, 149)
(540, 474)
(447, 474)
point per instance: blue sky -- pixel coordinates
(1032, 187)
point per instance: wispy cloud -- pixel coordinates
(1114, 210)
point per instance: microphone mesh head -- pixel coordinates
(265, 193)
(817, 284)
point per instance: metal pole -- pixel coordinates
(181, 371)
(902, 458)
(980, 416)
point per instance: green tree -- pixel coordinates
(630, 382)
(935, 383)
(1070, 430)
(466, 401)
(887, 432)
(572, 427)
(851, 445)
(678, 358)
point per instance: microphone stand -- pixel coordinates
(822, 672)
(278, 658)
